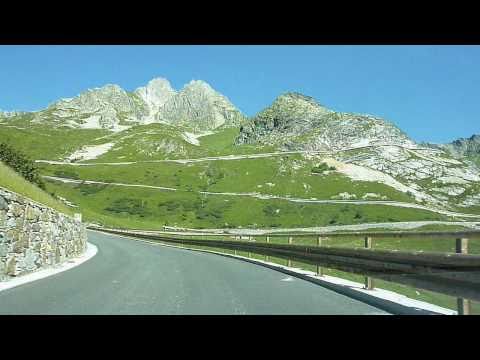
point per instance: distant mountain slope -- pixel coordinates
(466, 148)
(109, 107)
(366, 148)
(296, 121)
(197, 107)
(306, 154)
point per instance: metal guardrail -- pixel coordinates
(453, 274)
(470, 234)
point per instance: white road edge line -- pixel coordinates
(374, 293)
(55, 269)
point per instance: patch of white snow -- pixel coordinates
(90, 152)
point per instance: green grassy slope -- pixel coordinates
(149, 208)
(12, 181)
(222, 143)
(286, 176)
(283, 176)
(46, 142)
(143, 142)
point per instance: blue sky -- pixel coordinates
(430, 92)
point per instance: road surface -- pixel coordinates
(132, 277)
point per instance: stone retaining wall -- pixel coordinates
(33, 236)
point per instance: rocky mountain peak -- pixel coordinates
(474, 139)
(297, 121)
(105, 92)
(296, 96)
(295, 105)
(198, 85)
(199, 107)
(463, 146)
(108, 88)
(157, 91)
(155, 94)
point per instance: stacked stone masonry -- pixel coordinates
(33, 236)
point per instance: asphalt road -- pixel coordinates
(132, 277)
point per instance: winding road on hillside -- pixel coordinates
(269, 197)
(134, 277)
(234, 157)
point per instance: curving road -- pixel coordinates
(132, 277)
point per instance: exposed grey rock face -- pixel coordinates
(465, 147)
(33, 236)
(10, 114)
(157, 92)
(295, 121)
(197, 107)
(108, 107)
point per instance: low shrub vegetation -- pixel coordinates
(321, 168)
(21, 164)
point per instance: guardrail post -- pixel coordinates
(267, 240)
(319, 268)
(463, 305)
(368, 280)
(290, 242)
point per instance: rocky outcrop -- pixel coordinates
(109, 107)
(298, 122)
(157, 92)
(198, 107)
(463, 148)
(11, 114)
(33, 236)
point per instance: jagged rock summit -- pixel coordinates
(465, 147)
(200, 107)
(155, 94)
(197, 107)
(462, 148)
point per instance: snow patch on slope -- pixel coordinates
(90, 152)
(192, 138)
(360, 173)
(93, 122)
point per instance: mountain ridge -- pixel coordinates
(296, 118)
(338, 156)
(196, 106)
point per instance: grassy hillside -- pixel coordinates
(10, 180)
(145, 142)
(283, 176)
(46, 142)
(150, 208)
